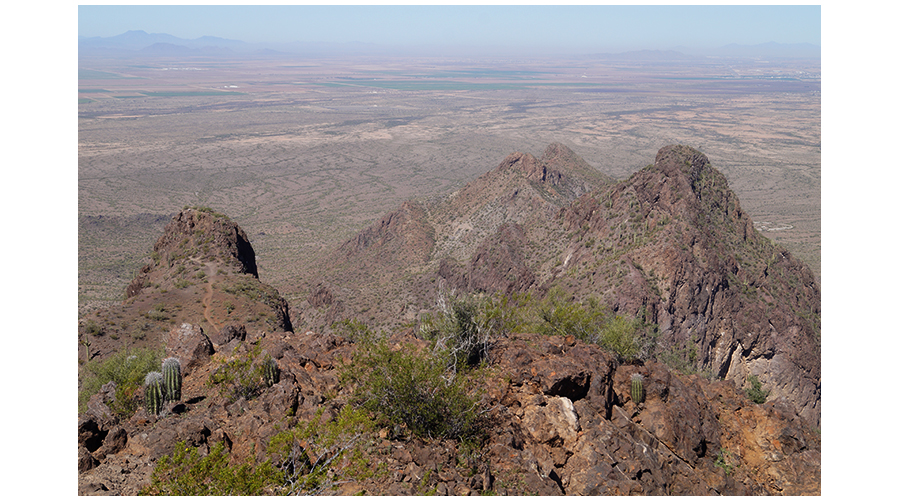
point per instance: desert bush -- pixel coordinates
(503, 314)
(355, 331)
(623, 337)
(459, 331)
(127, 369)
(413, 388)
(314, 457)
(186, 473)
(755, 391)
(91, 327)
(559, 316)
(158, 313)
(725, 460)
(591, 322)
(243, 376)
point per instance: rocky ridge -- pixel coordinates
(563, 418)
(202, 270)
(670, 245)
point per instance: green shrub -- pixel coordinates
(559, 315)
(354, 330)
(590, 322)
(623, 337)
(725, 461)
(243, 376)
(503, 314)
(127, 369)
(459, 332)
(91, 327)
(311, 458)
(158, 313)
(755, 391)
(413, 388)
(315, 457)
(186, 473)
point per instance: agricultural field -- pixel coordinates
(303, 153)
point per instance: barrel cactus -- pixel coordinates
(270, 371)
(154, 393)
(171, 371)
(637, 388)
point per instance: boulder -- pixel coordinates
(190, 345)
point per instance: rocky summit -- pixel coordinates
(543, 330)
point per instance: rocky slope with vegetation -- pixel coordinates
(544, 330)
(670, 246)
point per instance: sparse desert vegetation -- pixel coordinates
(306, 153)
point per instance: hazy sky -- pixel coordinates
(590, 27)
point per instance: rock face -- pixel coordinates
(715, 286)
(679, 440)
(190, 345)
(497, 265)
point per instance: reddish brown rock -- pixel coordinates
(190, 345)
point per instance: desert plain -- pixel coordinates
(304, 152)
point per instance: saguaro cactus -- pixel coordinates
(171, 371)
(270, 371)
(637, 388)
(154, 392)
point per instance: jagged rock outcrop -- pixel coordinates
(717, 288)
(679, 440)
(670, 244)
(202, 271)
(399, 238)
(499, 264)
(471, 239)
(199, 234)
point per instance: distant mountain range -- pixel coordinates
(141, 43)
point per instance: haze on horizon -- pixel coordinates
(589, 28)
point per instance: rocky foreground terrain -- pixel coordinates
(550, 414)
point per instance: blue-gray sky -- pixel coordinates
(588, 27)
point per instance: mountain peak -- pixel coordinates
(524, 163)
(679, 159)
(198, 233)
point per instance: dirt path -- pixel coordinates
(210, 271)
